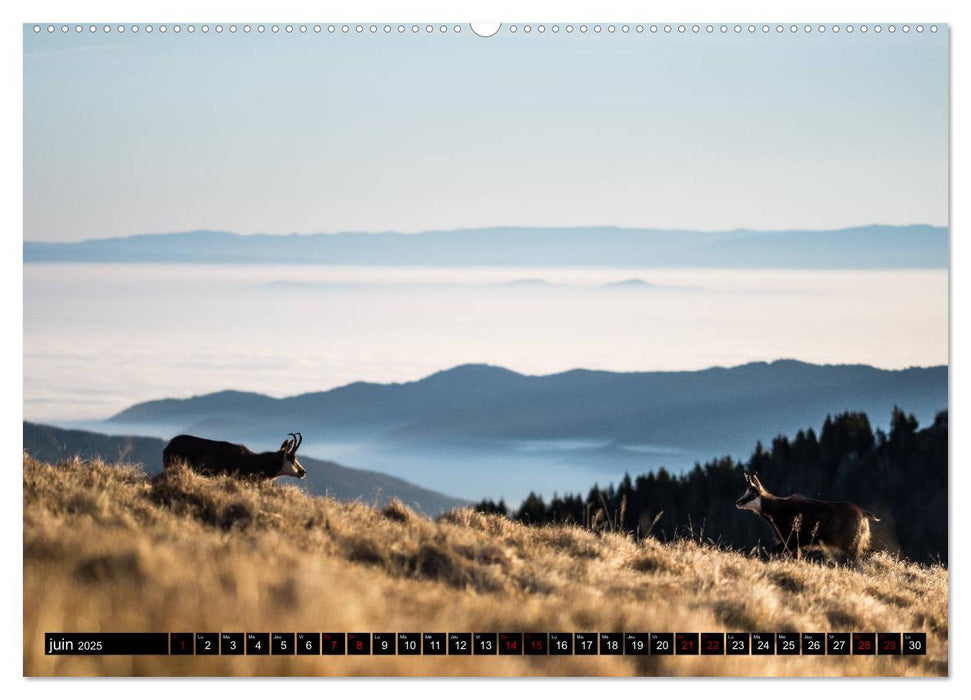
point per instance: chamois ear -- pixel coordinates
(287, 444)
(756, 483)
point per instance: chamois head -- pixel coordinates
(752, 498)
(289, 466)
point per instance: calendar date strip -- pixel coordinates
(486, 643)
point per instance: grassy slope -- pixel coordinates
(106, 548)
(50, 444)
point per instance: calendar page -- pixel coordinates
(520, 349)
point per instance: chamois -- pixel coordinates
(212, 457)
(810, 523)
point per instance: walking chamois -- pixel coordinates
(211, 457)
(809, 523)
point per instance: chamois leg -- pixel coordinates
(782, 546)
(769, 552)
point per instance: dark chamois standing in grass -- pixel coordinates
(807, 522)
(213, 457)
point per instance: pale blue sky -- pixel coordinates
(127, 134)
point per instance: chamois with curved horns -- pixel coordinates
(810, 523)
(212, 457)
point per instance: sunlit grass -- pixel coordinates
(108, 549)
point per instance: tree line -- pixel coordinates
(900, 475)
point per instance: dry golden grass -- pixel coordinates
(108, 549)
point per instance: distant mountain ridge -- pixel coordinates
(52, 445)
(863, 247)
(714, 409)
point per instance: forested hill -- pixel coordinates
(713, 411)
(901, 475)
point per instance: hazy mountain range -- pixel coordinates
(50, 444)
(916, 246)
(716, 411)
(517, 284)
